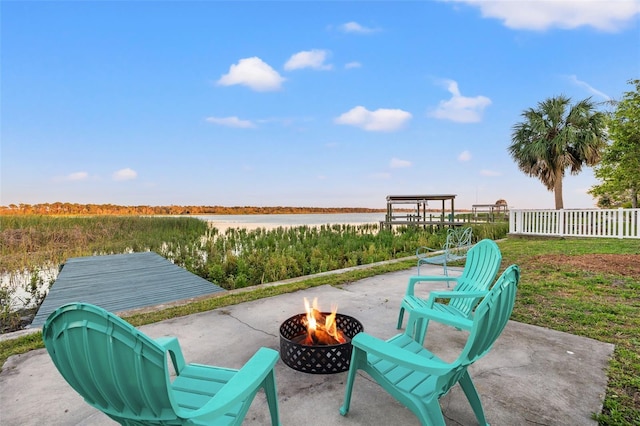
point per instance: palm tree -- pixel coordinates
(557, 136)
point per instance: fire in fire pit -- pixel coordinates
(321, 328)
(318, 342)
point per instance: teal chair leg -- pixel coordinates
(400, 317)
(434, 414)
(272, 398)
(474, 400)
(446, 272)
(356, 355)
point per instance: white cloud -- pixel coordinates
(231, 122)
(308, 59)
(354, 27)
(125, 174)
(486, 172)
(396, 163)
(460, 108)
(354, 64)
(610, 15)
(464, 156)
(77, 176)
(253, 73)
(72, 177)
(380, 120)
(574, 80)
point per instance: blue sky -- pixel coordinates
(294, 103)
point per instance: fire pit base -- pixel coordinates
(317, 359)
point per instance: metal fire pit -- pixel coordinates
(317, 359)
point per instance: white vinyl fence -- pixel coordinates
(603, 223)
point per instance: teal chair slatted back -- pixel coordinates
(115, 368)
(481, 267)
(491, 315)
(490, 319)
(122, 372)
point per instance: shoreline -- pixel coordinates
(270, 221)
(223, 226)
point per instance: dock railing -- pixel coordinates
(604, 223)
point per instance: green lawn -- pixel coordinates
(555, 292)
(585, 301)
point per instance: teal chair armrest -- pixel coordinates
(440, 317)
(433, 295)
(171, 344)
(431, 278)
(423, 251)
(242, 385)
(457, 294)
(385, 350)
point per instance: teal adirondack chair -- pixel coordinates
(480, 269)
(125, 374)
(418, 378)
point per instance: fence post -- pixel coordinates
(620, 223)
(560, 222)
(512, 222)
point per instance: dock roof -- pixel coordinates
(419, 198)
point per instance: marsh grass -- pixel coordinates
(29, 241)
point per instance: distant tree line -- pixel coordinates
(59, 208)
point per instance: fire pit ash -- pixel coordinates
(318, 342)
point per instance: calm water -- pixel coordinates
(295, 219)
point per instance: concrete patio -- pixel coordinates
(532, 375)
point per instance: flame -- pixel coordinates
(321, 329)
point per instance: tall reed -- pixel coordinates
(28, 242)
